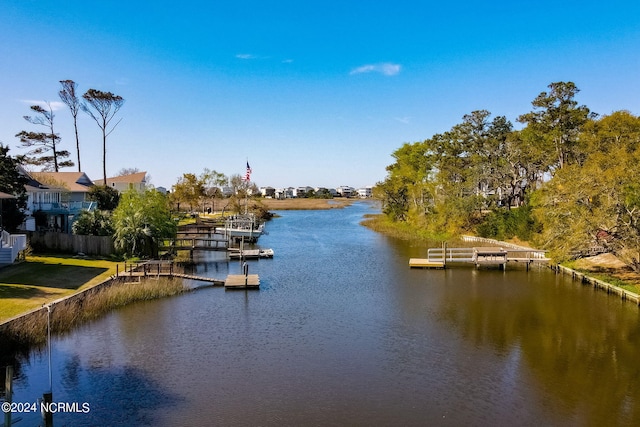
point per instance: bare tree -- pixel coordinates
(105, 105)
(69, 97)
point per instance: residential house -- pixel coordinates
(345, 191)
(301, 191)
(58, 197)
(268, 192)
(284, 193)
(365, 192)
(123, 183)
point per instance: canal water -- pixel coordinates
(342, 332)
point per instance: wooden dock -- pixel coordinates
(240, 281)
(480, 256)
(246, 253)
(215, 282)
(155, 269)
(425, 263)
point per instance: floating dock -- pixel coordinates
(240, 281)
(235, 253)
(425, 263)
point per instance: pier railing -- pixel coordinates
(450, 254)
(485, 255)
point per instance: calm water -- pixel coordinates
(344, 333)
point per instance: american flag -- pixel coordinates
(247, 176)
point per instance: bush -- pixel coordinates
(506, 224)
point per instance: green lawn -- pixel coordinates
(41, 279)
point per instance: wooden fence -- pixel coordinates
(71, 243)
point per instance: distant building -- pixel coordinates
(284, 193)
(365, 192)
(123, 183)
(227, 191)
(301, 191)
(268, 192)
(345, 191)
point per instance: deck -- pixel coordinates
(479, 256)
(240, 281)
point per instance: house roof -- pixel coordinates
(134, 178)
(77, 182)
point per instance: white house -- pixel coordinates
(284, 193)
(345, 191)
(268, 192)
(365, 192)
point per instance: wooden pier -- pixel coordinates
(425, 263)
(240, 281)
(156, 269)
(480, 256)
(195, 243)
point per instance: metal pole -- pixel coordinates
(8, 393)
(49, 343)
(48, 396)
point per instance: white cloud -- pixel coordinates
(386, 68)
(245, 56)
(405, 120)
(55, 105)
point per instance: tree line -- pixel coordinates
(567, 180)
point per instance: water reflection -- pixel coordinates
(342, 332)
(580, 349)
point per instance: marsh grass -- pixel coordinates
(401, 230)
(86, 306)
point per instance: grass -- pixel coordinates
(41, 279)
(306, 204)
(400, 230)
(95, 302)
(624, 278)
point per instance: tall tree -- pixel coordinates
(189, 189)
(68, 96)
(596, 202)
(43, 143)
(12, 182)
(558, 119)
(104, 107)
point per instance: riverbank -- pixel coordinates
(605, 271)
(30, 328)
(41, 279)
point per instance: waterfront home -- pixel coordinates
(345, 191)
(136, 181)
(284, 193)
(301, 191)
(57, 197)
(365, 192)
(268, 192)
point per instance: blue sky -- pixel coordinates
(315, 93)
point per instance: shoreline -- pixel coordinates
(405, 232)
(29, 329)
(307, 204)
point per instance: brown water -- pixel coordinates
(344, 333)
